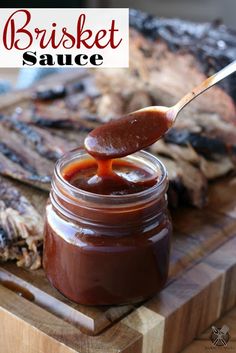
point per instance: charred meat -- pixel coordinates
(200, 147)
(50, 94)
(21, 228)
(213, 44)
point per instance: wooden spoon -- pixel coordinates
(143, 127)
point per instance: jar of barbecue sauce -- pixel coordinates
(108, 248)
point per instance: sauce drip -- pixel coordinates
(109, 177)
(117, 139)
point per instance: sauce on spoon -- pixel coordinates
(128, 134)
(142, 128)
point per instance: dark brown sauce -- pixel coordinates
(117, 139)
(16, 288)
(116, 255)
(107, 270)
(128, 134)
(107, 177)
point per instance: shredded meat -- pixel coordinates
(21, 228)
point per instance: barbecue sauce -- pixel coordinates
(107, 232)
(109, 177)
(129, 134)
(114, 140)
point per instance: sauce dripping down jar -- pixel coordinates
(107, 249)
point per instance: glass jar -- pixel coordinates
(107, 249)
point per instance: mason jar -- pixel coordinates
(107, 249)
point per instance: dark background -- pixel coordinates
(44, 3)
(196, 10)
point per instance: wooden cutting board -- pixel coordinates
(201, 288)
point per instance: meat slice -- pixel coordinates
(211, 169)
(139, 100)
(167, 76)
(50, 116)
(49, 94)
(21, 228)
(19, 161)
(212, 44)
(219, 167)
(43, 141)
(187, 182)
(15, 171)
(110, 106)
(186, 153)
(201, 143)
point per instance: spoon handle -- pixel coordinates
(209, 82)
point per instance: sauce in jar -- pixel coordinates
(107, 232)
(111, 177)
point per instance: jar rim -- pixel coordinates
(88, 196)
